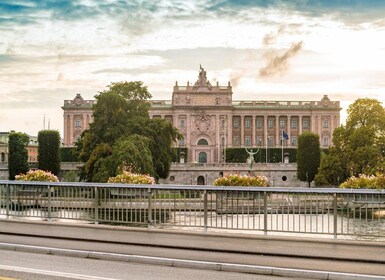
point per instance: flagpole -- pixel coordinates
(266, 143)
(282, 144)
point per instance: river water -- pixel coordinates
(319, 226)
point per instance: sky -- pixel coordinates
(269, 50)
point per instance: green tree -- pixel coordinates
(358, 146)
(123, 134)
(308, 156)
(49, 151)
(18, 154)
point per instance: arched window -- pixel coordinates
(203, 142)
(202, 157)
(181, 123)
(2, 157)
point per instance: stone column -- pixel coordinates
(277, 131)
(71, 134)
(242, 131)
(265, 140)
(253, 136)
(300, 120)
(217, 136)
(187, 139)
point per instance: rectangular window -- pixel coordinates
(247, 123)
(247, 141)
(282, 123)
(326, 141)
(259, 141)
(294, 123)
(270, 140)
(271, 123)
(326, 123)
(305, 123)
(181, 142)
(294, 140)
(235, 122)
(259, 122)
(236, 140)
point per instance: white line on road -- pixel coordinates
(52, 273)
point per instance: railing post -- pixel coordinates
(149, 221)
(96, 202)
(265, 213)
(335, 213)
(8, 199)
(205, 210)
(49, 204)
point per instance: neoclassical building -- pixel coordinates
(210, 120)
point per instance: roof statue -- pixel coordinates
(202, 79)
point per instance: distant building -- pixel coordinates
(32, 148)
(211, 121)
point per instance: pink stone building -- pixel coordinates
(211, 120)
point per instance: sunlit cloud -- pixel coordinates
(51, 50)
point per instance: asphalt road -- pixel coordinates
(31, 266)
(212, 256)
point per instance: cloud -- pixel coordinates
(279, 63)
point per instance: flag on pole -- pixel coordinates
(284, 135)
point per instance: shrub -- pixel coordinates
(242, 180)
(365, 182)
(132, 178)
(37, 175)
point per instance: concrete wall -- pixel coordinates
(188, 173)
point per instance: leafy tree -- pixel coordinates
(18, 154)
(123, 134)
(49, 151)
(308, 156)
(358, 146)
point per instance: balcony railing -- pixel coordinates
(330, 212)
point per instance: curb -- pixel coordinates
(228, 267)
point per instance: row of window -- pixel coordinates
(270, 123)
(260, 142)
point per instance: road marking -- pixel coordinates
(50, 273)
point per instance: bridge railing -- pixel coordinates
(327, 211)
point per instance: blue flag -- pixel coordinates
(284, 135)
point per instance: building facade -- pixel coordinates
(77, 117)
(211, 121)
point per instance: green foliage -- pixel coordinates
(365, 182)
(68, 154)
(71, 176)
(274, 155)
(123, 134)
(132, 178)
(18, 154)
(49, 151)
(308, 156)
(241, 180)
(359, 147)
(37, 175)
(176, 155)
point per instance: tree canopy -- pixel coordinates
(18, 154)
(358, 146)
(49, 151)
(123, 136)
(308, 156)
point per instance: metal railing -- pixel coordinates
(334, 212)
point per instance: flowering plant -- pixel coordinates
(37, 175)
(128, 177)
(242, 180)
(365, 182)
